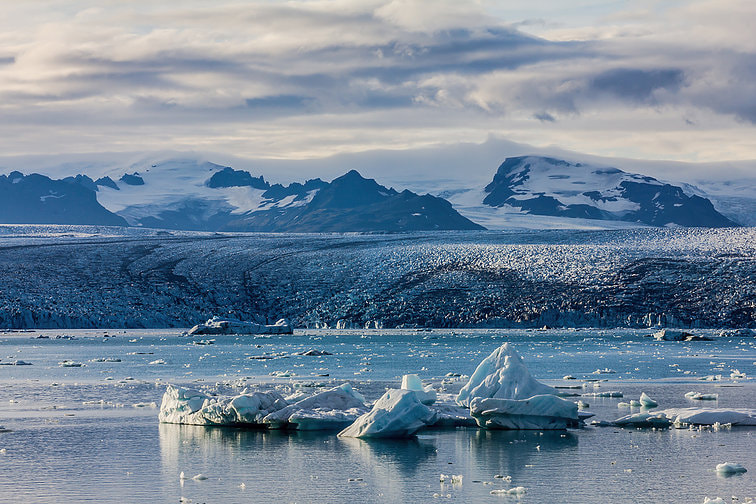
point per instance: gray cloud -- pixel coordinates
(345, 70)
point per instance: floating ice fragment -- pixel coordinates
(199, 477)
(647, 402)
(717, 500)
(182, 476)
(698, 396)
(70, 363)
(218, 325)
(730, 468)
(412, 382)
(605, 371)
(736, 374)
(512, 491)
(611, 393)
(568, 377)
(158, 361)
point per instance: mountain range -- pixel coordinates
(187, 193)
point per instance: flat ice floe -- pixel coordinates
(689, 416)
(502, 394)
(398, 413)
(218, 325)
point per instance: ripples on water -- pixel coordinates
(62, 450)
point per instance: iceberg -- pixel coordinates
(647, 402)
(185, 406)
(331, 409)
(502, 375)
(501, 394)
(219, 325)
(698, 396)
(547, 412)
(730, 468)
(681, 417)
(656, 419)
(398, 413)
(412, 382)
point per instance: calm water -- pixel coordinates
(60, 449)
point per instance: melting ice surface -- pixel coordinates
(75, 434)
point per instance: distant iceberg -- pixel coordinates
(689, 416)
(501, 394)
(219, 325)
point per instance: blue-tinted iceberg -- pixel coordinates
(501, 394)
(185, 406)
(331, 409)
(218, 325)
(538, 412)
(690, 416)
(502, 375)
(426, 395)
(398, 413)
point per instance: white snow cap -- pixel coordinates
(502, 375)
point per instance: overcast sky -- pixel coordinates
(301, 79)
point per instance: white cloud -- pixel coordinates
(311, 78)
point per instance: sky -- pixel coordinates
(649, 80)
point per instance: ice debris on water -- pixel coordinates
(511, 491)
(70, 363)
(683, 417)
(185, 406)
(501, 394)
(730, 468)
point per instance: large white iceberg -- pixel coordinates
(219, 325)
(185, 406)
(502, 394)
(502, 375)
(398, 413)
(690, 416)
(331, 409)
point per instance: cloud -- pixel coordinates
(316, 77)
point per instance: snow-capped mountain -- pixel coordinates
(545, 186)
(31, 199)
(202, 196)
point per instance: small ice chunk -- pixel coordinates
(412, 382)
(511, 491)
(730, 468)
(647, 402)
(698, 396)
(199, 477)
(656, 419)
(157, 362)
(70, 363)
(609, 393)
(736, 374)
(716, 500)
(398, 413)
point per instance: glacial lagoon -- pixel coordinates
(90, 433)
